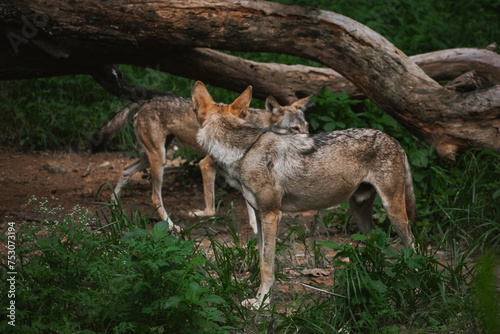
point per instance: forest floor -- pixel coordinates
(70, 179)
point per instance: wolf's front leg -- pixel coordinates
(267, 228)
(208, 171)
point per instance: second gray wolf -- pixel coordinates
(159, 120)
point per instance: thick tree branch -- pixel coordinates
(147, 32)
(236, 74)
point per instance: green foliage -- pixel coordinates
(59, 112)
(461, 202)
(333, 112)
(73, 277)
(422, 26)
(385, 287)
(110, 274)
(486, 292)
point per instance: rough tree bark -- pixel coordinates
(267, 79)
(58, 33)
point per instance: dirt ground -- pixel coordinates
(69, 179)
(75, 178)
(85, 179)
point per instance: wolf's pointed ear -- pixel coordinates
(201, 98)
(240, 106)
(273, 106)
(302, 104)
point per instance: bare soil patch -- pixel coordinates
(77, 178)
(70, 179)
(83, 179)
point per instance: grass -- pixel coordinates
(109, 273)
(119, 273)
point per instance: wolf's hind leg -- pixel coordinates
(156, 156)
(128, 172)
(395, 207)
(361, 206)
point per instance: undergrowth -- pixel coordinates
(115, 273)
(121, 273)
(83, 274)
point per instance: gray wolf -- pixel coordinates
(296, 172)
(159, 120)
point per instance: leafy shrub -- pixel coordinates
(71, 279)
(384, 287)
(486, 292)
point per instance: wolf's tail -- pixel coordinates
(114, 125)
(410, 201)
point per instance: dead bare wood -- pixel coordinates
(236, 74)
(467, 82)
(59, 34)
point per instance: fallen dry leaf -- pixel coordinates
(315, 272)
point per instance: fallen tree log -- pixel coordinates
(146, 32)
(236, 74)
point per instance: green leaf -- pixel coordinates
(172, 302)
(194, 292)
(390, 253)
(414, 264)
(386, 119)
(413, 281)
(379, 286)
(314, 123)
(326, 119)
(147, 310)
(214, 299)
(340, 125)
(419, 158)
(329, 126)
(389, 272)
(359, 237)
(136, 233)
(330, 244)
(496, 195)
(160, 229)
(407, 252)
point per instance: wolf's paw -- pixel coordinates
(203, 213)
(251, 303)
(172, 226)
(176, 228)
(255, 303)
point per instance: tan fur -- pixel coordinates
(161, 119)
(297, 172)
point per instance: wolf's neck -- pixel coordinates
(227, 142)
